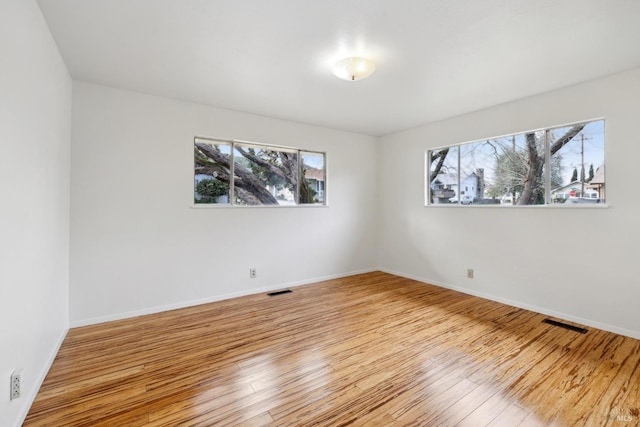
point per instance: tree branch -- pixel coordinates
(257, 160)
(564, 139)
(441, 156)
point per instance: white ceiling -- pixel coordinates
(434, 58)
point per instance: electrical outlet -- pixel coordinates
(469, 273)
(252, 273)
(16, 383)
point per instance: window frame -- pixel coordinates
(547, 172)
(272, 147)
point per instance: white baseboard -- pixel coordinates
(588, 322)
(31, 397)
(214, 298)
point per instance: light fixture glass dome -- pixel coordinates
(353, 68)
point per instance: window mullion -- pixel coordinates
(300, 176)
(547, 169)
(232, 175)
(459, 180)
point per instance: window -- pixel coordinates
(561, 165)
(577, 163)
(251, 174)
(443, 175)
(313, 171)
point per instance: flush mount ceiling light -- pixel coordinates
(353, 68)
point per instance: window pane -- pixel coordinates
(212, 160)
(516, 176)
(577, 163)
(443, 175)
(265, 176)
(312, 187)
(477, 163)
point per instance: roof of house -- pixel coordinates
(451, 178)
(598, 177)
(563, 188)
(566, 187)
(313, 173)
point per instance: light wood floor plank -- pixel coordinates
(367, 350)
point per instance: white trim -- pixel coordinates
(265, 145)
(230, 206)
(31, 397)
(588, 322)
(505, 207)
(191, 303)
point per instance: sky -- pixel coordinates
(593, 150)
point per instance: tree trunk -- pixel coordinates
(533, 177)
(535, 165)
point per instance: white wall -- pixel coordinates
(35, 119)
(138, 245)
(520, 254)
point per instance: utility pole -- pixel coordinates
(582, 173)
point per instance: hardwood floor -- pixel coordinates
(367, 350)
